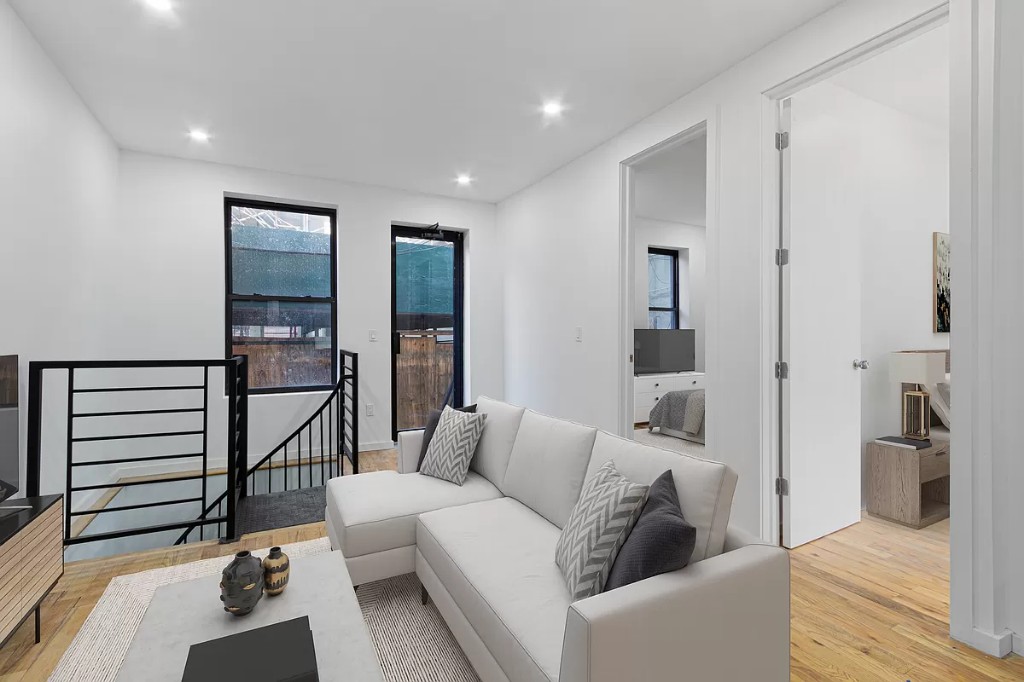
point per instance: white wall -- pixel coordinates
(58, 184)
(690, 241)
(672, 185)
(572, 281)
(163, 290)
(895, 192)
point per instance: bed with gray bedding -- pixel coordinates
(679, 414)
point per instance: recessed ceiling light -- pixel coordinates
(553, 108)
(464, 180)
(199, 135)
(160, 5)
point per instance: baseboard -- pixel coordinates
(381, 445)
(992, 644)
(1018, 643)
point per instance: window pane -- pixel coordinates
(278, 253)
(662, 319)
(288, 344)
(660, 275)
(424, 283)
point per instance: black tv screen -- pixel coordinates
(9, 469)
(660, 351)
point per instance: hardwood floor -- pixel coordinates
(870, 602)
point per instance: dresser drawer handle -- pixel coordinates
(656, 385)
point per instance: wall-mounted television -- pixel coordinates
(662, 351)
(9, 459)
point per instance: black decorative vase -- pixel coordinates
(241, 584)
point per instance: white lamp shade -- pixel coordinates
(918, 367)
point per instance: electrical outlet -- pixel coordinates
(373, 335)
(369, 409)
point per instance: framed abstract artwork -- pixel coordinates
(940, 282)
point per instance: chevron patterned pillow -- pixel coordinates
(452, 445)
(606, 512)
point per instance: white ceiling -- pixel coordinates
(672, 184)
(912, 77)
(395, 92)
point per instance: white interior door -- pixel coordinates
(821, 299)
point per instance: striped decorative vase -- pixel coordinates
(276, 569)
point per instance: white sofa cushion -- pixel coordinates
(705, 487)
(495, 447)
(495, 560)
(377, 511)
(548, 465)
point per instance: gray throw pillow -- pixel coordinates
(452, 446)
(598, 526)
(431, 426)
(661, 541)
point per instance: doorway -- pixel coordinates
(666, 228)
(426, 323)
(862, 160)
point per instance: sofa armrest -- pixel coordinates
(409, 444)
(724, 618)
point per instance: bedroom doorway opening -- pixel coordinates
(862, 292)
(667, 320)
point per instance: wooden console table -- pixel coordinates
(909, 486)
(31, 558)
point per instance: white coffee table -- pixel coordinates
(187, 613)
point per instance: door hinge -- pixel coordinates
(781, 370)
(782, 487)
(782, 256)
(781, 141)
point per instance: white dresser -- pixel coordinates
(649, 388)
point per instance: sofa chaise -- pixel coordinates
(485, 553)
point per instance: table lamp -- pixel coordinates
(915, 370)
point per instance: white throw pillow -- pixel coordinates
(599, 524)
(452, 446)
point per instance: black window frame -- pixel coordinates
(675, 286)
(231, 297)
(457, 239)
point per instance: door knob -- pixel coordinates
(861, 364)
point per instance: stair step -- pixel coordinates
(281, 509)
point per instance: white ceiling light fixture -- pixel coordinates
(553, 109)
(463, 180)
(197, 135)
(160, 5)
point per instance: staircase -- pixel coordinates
(106, 419)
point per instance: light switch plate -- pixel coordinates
(579, 334)
(373, 335)
(369, 409)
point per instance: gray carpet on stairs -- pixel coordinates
(281, 509)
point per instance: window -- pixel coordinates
(662, 289)
(281, 307)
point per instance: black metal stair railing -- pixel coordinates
(195, 461)
(309, 456)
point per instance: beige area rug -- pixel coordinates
(669, 443)
(413, 643)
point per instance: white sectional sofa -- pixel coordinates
(485, 552)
